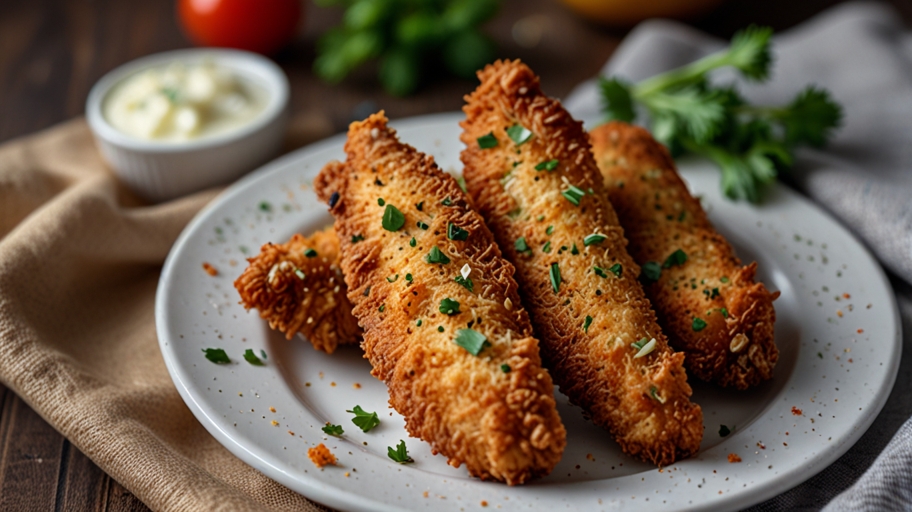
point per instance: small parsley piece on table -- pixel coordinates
(266, 206)
(519, 134)
(263, 354)
(487, 141)
(217, 355)
(380, 201)
(573, 250)
(333, 430)
(455, 232)
(651, 271)
(357, 238)
(520, 245)
(471, 340)
(616, 269)
(393, 219)
(505, 368)
(449, 307)
(413, 242)
(574, 194)
(599, 272)
(555, 276)
(549, 230)
(466, 283)
(698, 324)
(587, 323)
(422, 225)
(594, 238)
(363, 419)
(724, 431)
(251, 358)
(400, 454)
(310, 253)
(548, 165)
(436, 256)
(676, 258)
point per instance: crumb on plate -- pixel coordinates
(321, 456)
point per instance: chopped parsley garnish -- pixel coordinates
(547, 247)
(380, 201)
(548, 165)
(217, 355)
(446, 201)
(675, 259)
(436, 256)
(651, 272)
(540, 218)
(466, 283)
(392, 279)
(573, 250)
(698, 324)
(724, 431)
(310, 253)
(724, 279)
(520, 245)
(439, 328)
(549, 230)
(616, 269)
(251, 358)
(408, 277)
(357, 238)
(505, 368)
(422, 225)
(400, 454)
(266, 206)
(413, 242)
(640, 344)
(449, 307)
(487, 141)
(333, 430)
(587, 323)
(300, 273)
(363, 419)
(418, 323)
(714, 294)
(519, 134)
(724, 312)
(382, 308)
(554, 273)
(599, 272)
(594, 238)
(471, 340)
(574, 194)
(655, 396)
(420, 206)
(455, 232)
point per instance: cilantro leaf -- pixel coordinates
(466, 282)
(617, 101)
(363, 419)
(333, 430)
(400, 453)
(811, 118)
(217, 355)
(251, 358)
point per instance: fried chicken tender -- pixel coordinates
(443, 324)
(298, 287)
(709, 306)
(543, 197)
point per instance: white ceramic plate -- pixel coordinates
(838, 332)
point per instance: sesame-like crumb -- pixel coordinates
(356, 385)
(347, 474)
(275, 423)
(210, 269)
(290, 433)
(484, 503)
(321, 456)
(733, 458)
(272, 409)
(425, 494)
(796, 411)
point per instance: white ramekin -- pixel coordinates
(160, 170)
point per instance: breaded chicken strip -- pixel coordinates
(707, 303)
(529, 168)
(298, 287)
(443, 324)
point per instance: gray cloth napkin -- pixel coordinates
(862, 54)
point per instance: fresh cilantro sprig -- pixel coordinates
(749, 143)
(363, 419)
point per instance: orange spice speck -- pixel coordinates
(290, 433)
(484, 503)
(347, 474)
(846, 296)
(233, 263)
(839, 313)
(275, 423)
(850, 360)
(272, 409)
(796, 411)
(590, 457)
(860, 331)
(733, 458)
(321, 456)
(761, 445)
(333, 384)
(209, 269)
(356, 385)
(425, 494)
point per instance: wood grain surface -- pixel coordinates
(53, 51)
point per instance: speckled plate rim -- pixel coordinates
(319, 490)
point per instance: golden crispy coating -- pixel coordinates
(735, 348)
(588, 325)
(298, 287)
(495, 411)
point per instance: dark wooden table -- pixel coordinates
(52, 51)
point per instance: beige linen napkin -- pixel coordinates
(80, 258)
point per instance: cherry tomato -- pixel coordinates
(262, 26)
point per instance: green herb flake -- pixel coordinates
(380, 201)
(382, 308)
(698, 324)
(540, 218)
(300, 273)
(436, 256)
(548, 165)
(547, 247)
(549, 230)
(640, 344)
(310, 253)
(520, 245)
(654, 391)
(724, 431)
(587, 323)
(408, 277)
(333, 430)
(446, 201)
(594, 238)
(455, 232)
(616, 269)
(393, 219)
(651, 271)
(217, 355)
(440, 328)
(573, 250)
(392, 279)
(263, 354)
(422, 225)
(676, 258)
(487, 141)
(413, 242)
(466, 283)
(265, 206)
(449, 307)
(714, 294)
(599, 272)
(471, 340)
(400, 454)
(357, 238)
(420, 206)
(644, 347)
(519, 134)
(724, 312)
(505, 368)
(724, 279)
(462, 184)
(363, 419)
(251, 358)
(554, 273)
(574, 194)
(418, 323)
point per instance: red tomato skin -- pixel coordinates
(261, 26)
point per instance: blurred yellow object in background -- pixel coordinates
(630, 12)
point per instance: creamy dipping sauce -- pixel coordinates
(183, 102)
